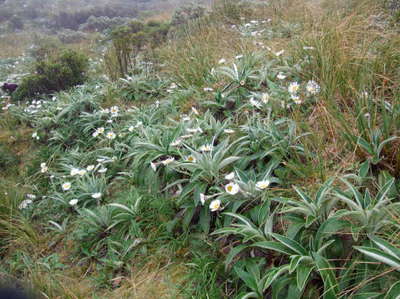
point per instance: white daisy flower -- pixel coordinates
(261, 185)
(98, 132)
(191, 159)
(312, 87)
(114, 109)
(222, 61)
(90, 167)
(279, 53)
(43, 168)
(232, 188)
(296, 99)
(239, 56)
(206, 148)
(265, 97)
(215, 205)
(66, 186)
(153, 166)
(111, 135)
(73, 202)
(131, 129)
(31, 196)
(74, 172)
(281, 76)
(96, 195)
(293, 87)
(82, 172)
(208, 89)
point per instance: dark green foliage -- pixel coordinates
(7, 158)
(60, 72)
(67, 135)
(141, 89)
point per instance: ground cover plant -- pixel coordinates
(249, 151)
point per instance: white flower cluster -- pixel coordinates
(312, 88)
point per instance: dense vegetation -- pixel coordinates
(248, 150)
(57, 71)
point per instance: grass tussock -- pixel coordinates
(252, 154)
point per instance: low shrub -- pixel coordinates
(72, 20)
(70, 36)
(52, 74)
(186, 13)
(99, 24)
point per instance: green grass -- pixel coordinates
(229, 169)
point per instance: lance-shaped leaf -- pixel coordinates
(379, 255)
(327, 273)
(387, 253)
(291, 244)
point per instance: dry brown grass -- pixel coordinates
(152, 281)
(189, 60)
(15, 44)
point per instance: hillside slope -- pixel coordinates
(252, 155)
